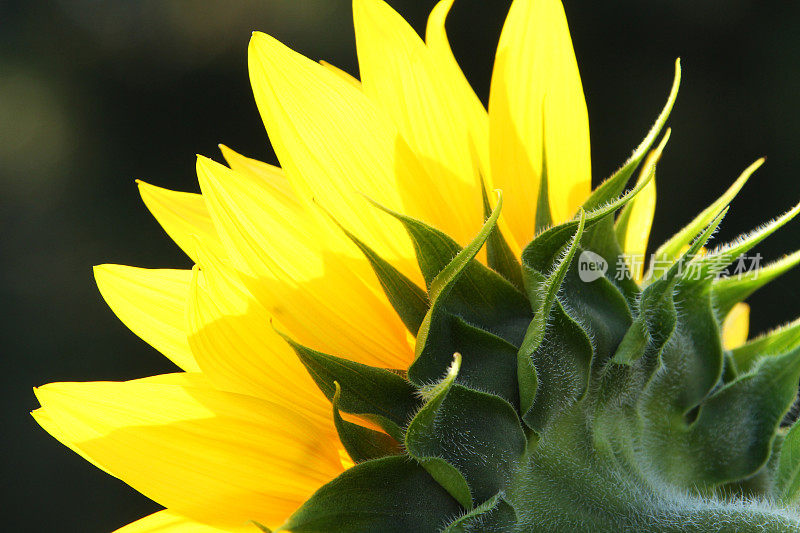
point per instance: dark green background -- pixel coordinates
(95, 94)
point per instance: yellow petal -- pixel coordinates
(215, 457)
(169, 522)
(536, 108)
(461, 91)
(333, 144)
(273, 176)
(400, 74)
(43, 419)
(236, 347)
(191, 379)
(183, 216)
(468, 102)
(318, 294)
(184, 379)
(637, 234)
(346, 76)
(152, 303)
(736, 326)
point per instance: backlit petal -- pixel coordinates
(170, 522)
(183, 216)
(316, 292)
(235, 345)
(637, 233)
(215, 457)
(400, 74)
(274, 178)
(346, 76)
(536, 109)
(461, 91)
(152, 303)
(333, 143)
(736, 327)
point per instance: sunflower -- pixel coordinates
(316, 257)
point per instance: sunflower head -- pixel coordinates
(426, 320)
(575, 400)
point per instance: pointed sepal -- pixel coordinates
(673, 248)
(408, 300)
(611, 188)
(482, 452)
(730, 290)
(391, 495)
(499, 255)
(776, 342)
(551, 373)
(715, 262)
(751, 408)
(657, 315)
(422, 430)
(373, 393)
(361, 443)
(475, 312)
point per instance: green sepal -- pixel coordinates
(457, 324)
(601, 310)
(601, 237)
(466, 288)
(778, 341)
(544, 218)
(691, 360)
(657, 315)
(482, 455)
(390, 495)
(542, 290)
(693, 354)
(653, 326)
(563, 364)
(733, 289)
(538, 255)
(787, 482)
(461, 294)
(361, 444)
(418, 435)
(446, 278)
(375, 393)
(612, 187)
(488, 362)
(672, 249)
(262, 527)
(499, 255)
(409, 301)
(711, 265)
(751, 408)
(495, 515)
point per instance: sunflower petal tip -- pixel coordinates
(260, 39)
(204, 163)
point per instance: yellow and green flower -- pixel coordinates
(373, 339)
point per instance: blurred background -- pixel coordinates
(96, 94)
